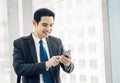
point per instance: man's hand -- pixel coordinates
(65, 60)
(54, 61)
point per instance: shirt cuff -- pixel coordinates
(68, 68)
(47, 69)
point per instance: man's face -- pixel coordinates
(44, 27)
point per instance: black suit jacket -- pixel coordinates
(25, 59)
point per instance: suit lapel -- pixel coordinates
(32, 48)
(49, 47)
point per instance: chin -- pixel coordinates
(46, 36)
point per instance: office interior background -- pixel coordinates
(90, 28)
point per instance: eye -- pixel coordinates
(44, 24)
(51, 25)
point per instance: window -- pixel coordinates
(79, 24)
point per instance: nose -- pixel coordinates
(48, 28)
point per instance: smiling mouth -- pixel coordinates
(46, 32)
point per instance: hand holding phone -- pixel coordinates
(66, 53)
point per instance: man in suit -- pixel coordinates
(27, 59)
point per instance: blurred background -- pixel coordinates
(90, 28)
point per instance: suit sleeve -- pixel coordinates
(68, 69)
(21, 67)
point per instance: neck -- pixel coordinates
(37, 35)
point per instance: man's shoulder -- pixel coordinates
(53, 38)
(22, 38)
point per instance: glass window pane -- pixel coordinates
(79, 24)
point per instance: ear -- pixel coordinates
(34, 23)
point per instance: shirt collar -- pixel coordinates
(36, 39)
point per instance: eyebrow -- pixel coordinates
(44, 23)
(47, 23)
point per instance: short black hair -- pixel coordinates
(43, 12)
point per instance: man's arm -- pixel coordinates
(20, 64)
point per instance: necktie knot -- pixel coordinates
(41, 41)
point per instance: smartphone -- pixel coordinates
(67, 52)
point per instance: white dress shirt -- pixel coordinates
(37, 44)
